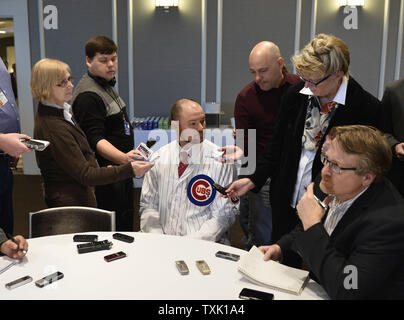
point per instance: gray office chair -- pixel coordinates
(63, 220)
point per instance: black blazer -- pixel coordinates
(281, 157)
(369, 237)
(393, 121)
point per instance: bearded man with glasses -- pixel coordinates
(327, 97)
(360, 233)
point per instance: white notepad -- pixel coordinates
(6, 263)
(272, 274)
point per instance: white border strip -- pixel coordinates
(313, 19)
(114, 21)
(130, 61)
(399, 42)
(219, 52)
(382, 73)
(115, 35)
(42, 48)
(203, 54)
(298, 28)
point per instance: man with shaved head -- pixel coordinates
(257, 107)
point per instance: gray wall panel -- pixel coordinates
(402, 43)
(77, 22)
(394, 16)
(167, 56)
(364, 43)
(34, 31)
(122, 14)
(402, 62)
(244, 25)
(34, 37)
(167, 47)
(305, 35)
(211, 50)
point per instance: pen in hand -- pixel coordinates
(10, 237)
(321, 203)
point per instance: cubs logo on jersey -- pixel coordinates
(200, 191)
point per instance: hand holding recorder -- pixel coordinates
(238, 188)
(141, 167)
(36, 144)
(134, 155)
(11, 144)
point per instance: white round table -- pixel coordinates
(148, 271)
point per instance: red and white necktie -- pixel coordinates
(183, 163)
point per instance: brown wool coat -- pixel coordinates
(68, 166)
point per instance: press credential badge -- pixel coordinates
(3, 98)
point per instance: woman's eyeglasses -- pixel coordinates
(315, 84)
(65, 82)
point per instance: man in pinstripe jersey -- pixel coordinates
(177, 195)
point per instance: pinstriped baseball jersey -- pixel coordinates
(187, 205)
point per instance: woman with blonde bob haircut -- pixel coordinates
(47, 73)
(68, 165)
(324, 55)
(328, 96)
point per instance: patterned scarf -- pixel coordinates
(316, 122)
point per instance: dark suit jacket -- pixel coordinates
(393, 111)
(3, 237)
(280, 160)
(369, 237)
(393, 124)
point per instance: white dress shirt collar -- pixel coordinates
(340, 96)
(337, 211)
(66, 110)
